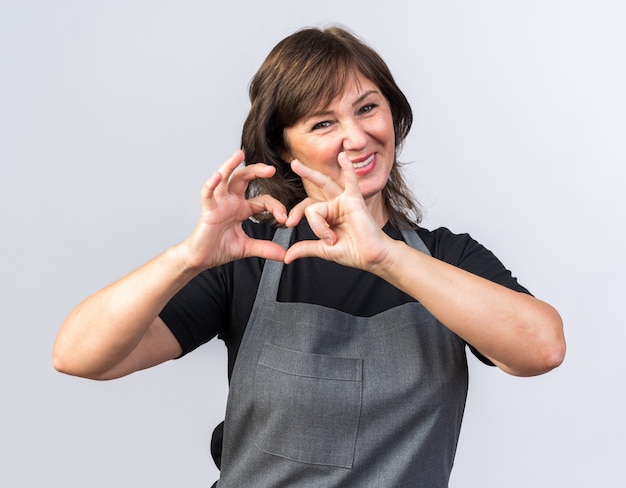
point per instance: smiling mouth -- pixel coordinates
(364, 163)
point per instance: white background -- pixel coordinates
(113, 113)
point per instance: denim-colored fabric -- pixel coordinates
(320, 398)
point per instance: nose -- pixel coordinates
(354, 136)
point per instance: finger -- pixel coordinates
(241, 178)
(297, 212)
(329, 187)
(267, 203)
(304, 249)
(231, 164)
(226, 170)
(265, 249)
(316, 216)
(350, 179)
(208, 189)
(222, 174)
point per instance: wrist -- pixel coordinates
(183, 261)
(384, 262)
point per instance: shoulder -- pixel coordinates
(463, 251)
(447, 245)
(442, 243)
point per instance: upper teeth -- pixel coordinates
(363, 163)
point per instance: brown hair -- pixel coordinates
(304, 71)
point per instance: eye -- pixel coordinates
(321, 125)
(367, 108)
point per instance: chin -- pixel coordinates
(370, 189)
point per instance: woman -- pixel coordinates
(346, 323)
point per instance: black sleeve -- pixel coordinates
(205, 307)
(198, 312)
(462, 251)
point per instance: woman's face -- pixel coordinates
(357, 122)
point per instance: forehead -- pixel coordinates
(351, 90)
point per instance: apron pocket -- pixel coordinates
(308, 406)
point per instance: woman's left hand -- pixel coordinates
(348, 233)
(519, 333)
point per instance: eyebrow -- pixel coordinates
(323, 113)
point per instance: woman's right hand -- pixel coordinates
(219, 238)
(117, 330)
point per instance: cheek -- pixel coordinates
(320, 155)
(386, 131)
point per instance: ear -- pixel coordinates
(284, 152)
(286, 155)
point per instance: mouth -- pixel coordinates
(362, 164)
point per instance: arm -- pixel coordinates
(520, 334)
(117, 330)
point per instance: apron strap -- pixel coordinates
(272, 270)
(412, 239)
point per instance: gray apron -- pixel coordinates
(321, 398)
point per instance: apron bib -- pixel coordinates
(321, 398)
